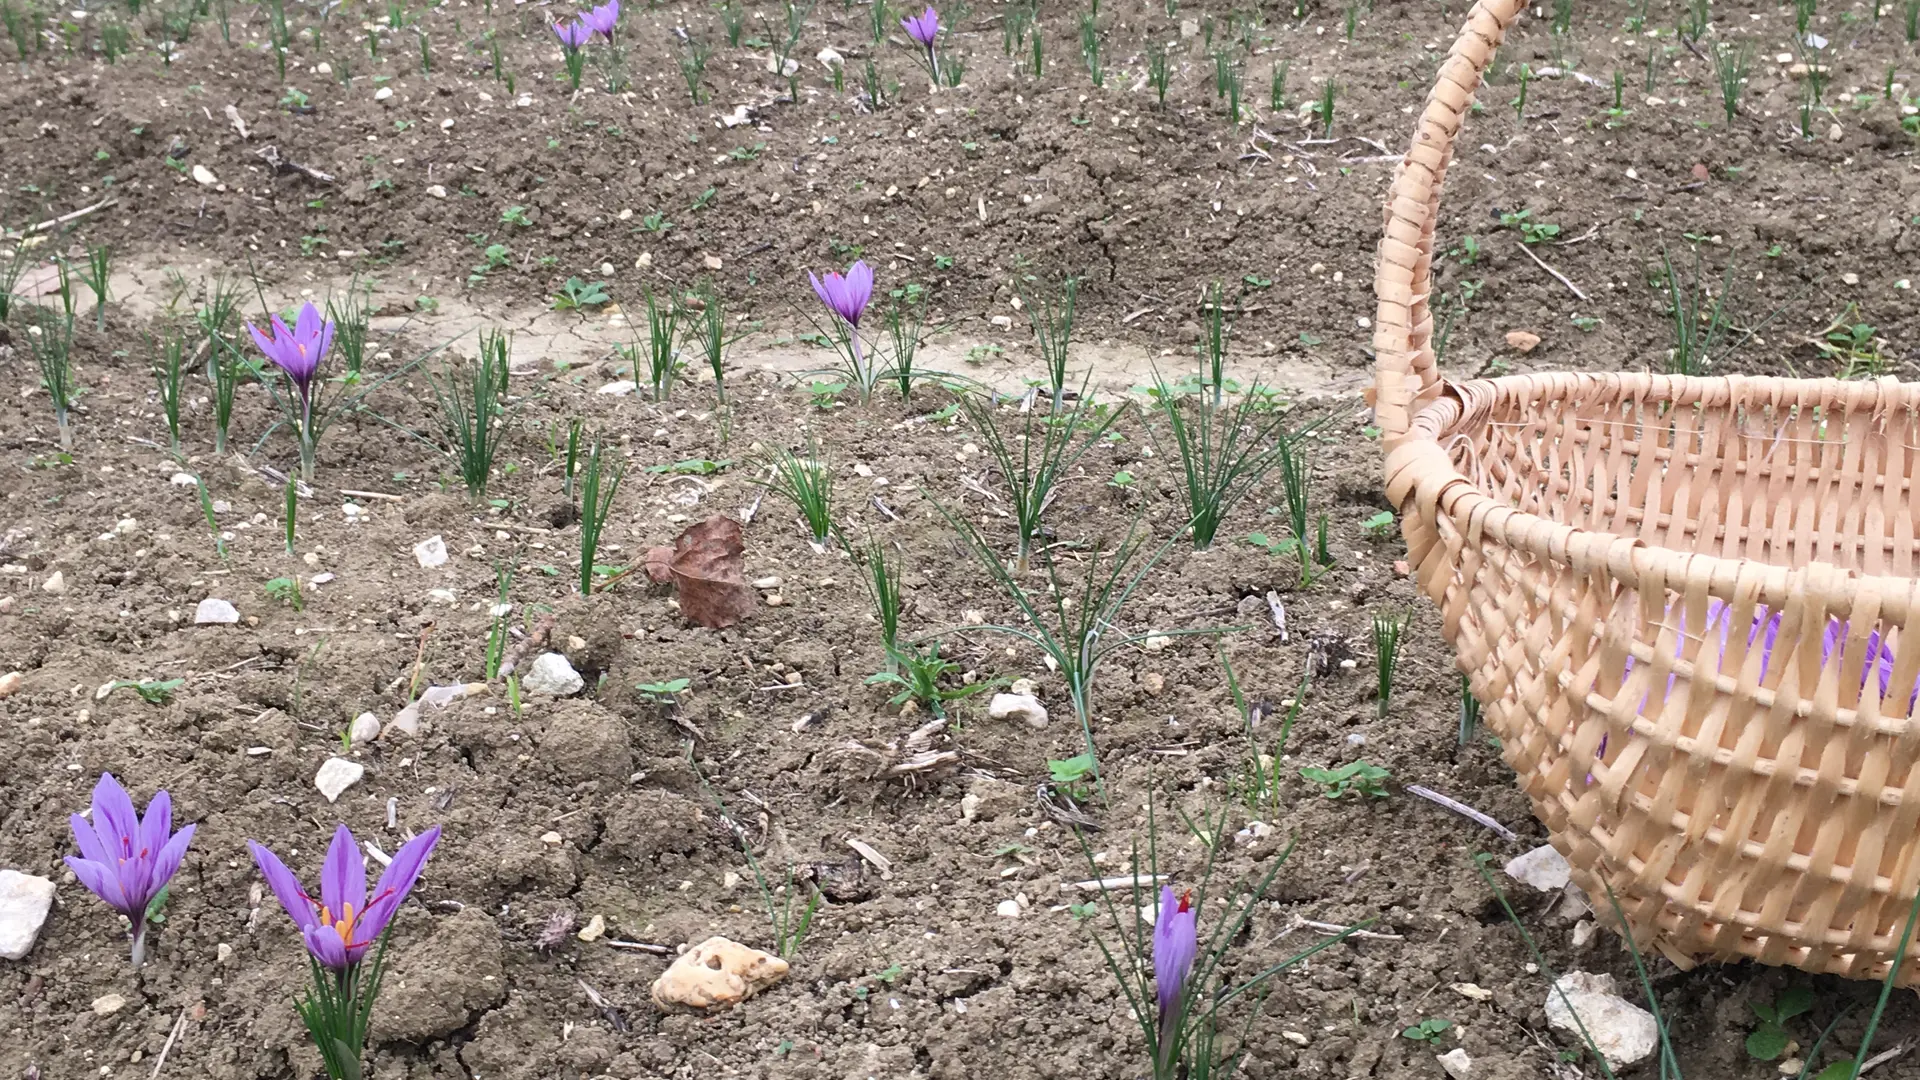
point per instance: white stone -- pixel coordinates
(1456, 1063)
(55, 584)
(222, 953)
(830, 58)
(436, 191)
(126, 527)
(969, 806)
(203, 175)
(184, 479)
(1025, 686)
(595, 927)
(1624, 1033)
(617, 389)
(11, 682)
(1156, 643)
(1543, 868)
(767, 583)
(431, 552)
(336, 776)
(1018, 707)
(108, 1004)
(24, 902)
(215, 611)
(323, 68)
(1008, 909)
(365, 728)
(383, 93)
(551, 674)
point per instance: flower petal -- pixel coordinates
(859, 289)
(87, 839)
(114, 817)
(166, 861)
(306, 326)
(343, 877)
(820, 290)
(395, 883)
(100, 881)
(266, 344)
(286, 888)
(326, 945)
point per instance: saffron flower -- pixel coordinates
(343, 924)
(298, 352)
(1176, 944)
(923, 27)
(127, 859)
(847, 296)
(573, 35)
(602, 20)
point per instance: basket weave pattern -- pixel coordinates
(1680, 602)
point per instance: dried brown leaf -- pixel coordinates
(708, 572)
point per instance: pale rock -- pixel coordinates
(551, 674)
(108, 1004)
(24, 902)
(1023, 707)
(769, 583)
(223, 953)
(10, 683)
(214, 611)
(184, 479)
(1583, 932)
(606, 269)
(204, 176)
(436, 191)
(830, 58)
(1522, 341)
(1026, 687)
(128, 526)
(55, 584)
(385, 93)
(969, 806)
(431, 552)
(1156, 643)
(595, 927)
(323, 68)
(552, 839)
(1189, 28)
(717, 973)
(7, 604)
(1472, 991)
(739, 115)
(1543, 868)
(1456, 1063)
(364, 729)
(443, 596)
(1624, 1033)
(407, 720)
(617, 389)
(337, 775)
(711, 262)
(1008, 909)
(1002, 322)
(1153, 683)
(785, 70)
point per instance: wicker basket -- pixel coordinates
(1744, 794)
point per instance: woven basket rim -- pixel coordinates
(1460, 496)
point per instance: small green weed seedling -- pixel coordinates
(1427, 1031)
(1531, 232)
(1357, 777)
(1768, 1041)
(287, 591)
(575, 294)
(152, 691)
(1072, 774)
(1379, 526)
(919, 675)
(664, 693)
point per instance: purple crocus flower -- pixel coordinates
(573, 35)
(847, 295)
(923, 27)
(126, 859)
(602, 20)
(298, 351)
(1176, 944)
(343, 924)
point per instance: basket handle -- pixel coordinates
(1406, 375)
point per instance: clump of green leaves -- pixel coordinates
(807, 482)
(1426, 1031)
(595, 505)
(473, 409)
(1353, 778)
(920, 672)
(575, 294)
(1050, 445)
(1769, 1040)
(1388, 631)
(286, 590)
